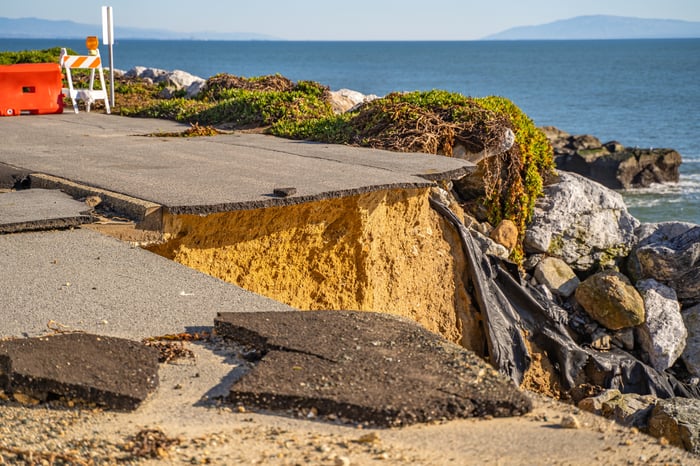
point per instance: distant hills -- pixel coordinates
(603, 27)
(35, 28)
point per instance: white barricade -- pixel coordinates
(89, 95)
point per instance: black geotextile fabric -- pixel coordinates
(511, 309)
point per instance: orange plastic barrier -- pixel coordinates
(30, 88)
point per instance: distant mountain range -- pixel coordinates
(603, 27)
(35, 28)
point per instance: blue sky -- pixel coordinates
(356, 20)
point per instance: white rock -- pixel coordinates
(182, 79)
(669, 252)
(663, 335)
(556, 275)
(154, 74)
(582, 222)
(691, 354)
(195, 88)
(344, 100)
(176, 80)
(489, 246)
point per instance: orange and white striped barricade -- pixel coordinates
(89, 95)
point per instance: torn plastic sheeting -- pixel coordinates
(509, 307)
(507, 349)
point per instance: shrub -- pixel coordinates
(33, 56)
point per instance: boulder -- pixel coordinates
(344, 100)
(504, 143)
(610, 299)
(611, 164)
(663, 334)
(581, 222)
(677, 420)
(195, 88)
(584, 142)
(505, 234)
(556, 275)
(152, 74)
(175, 80)
(629, 409)
(691, 354)
(668, 252)
(182, 79)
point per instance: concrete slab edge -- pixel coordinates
(46, 224)
(148, 215)
(455, 174)
(274, 201)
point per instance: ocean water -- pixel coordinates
(643, 93)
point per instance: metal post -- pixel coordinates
(108, 39)
(111, 75)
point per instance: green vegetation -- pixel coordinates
(33, 56)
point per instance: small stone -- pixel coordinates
(23, 399)
(284, 192)
(570, 422)
(342, 461)
(93, 201)
(556, 275)
(505, 234)
(372, 437)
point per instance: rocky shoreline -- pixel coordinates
(612, 164)
(628, 296)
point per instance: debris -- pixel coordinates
(170, 351)
(150, 443)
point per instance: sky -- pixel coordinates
(356, 20)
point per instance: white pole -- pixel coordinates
(108, 39)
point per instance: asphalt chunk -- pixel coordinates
(364, 367)
(40, 209)
(111, 373)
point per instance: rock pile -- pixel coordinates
(175, 81)
(629, 296)
(640, 278)
(612, 164)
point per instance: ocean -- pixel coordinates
(643, 93)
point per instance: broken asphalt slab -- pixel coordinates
(206, 174)
(91, 282)
(40, 209)
(111, 373)
(364, 367)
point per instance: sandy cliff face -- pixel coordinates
(385, 251)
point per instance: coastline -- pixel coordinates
(305, 451)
